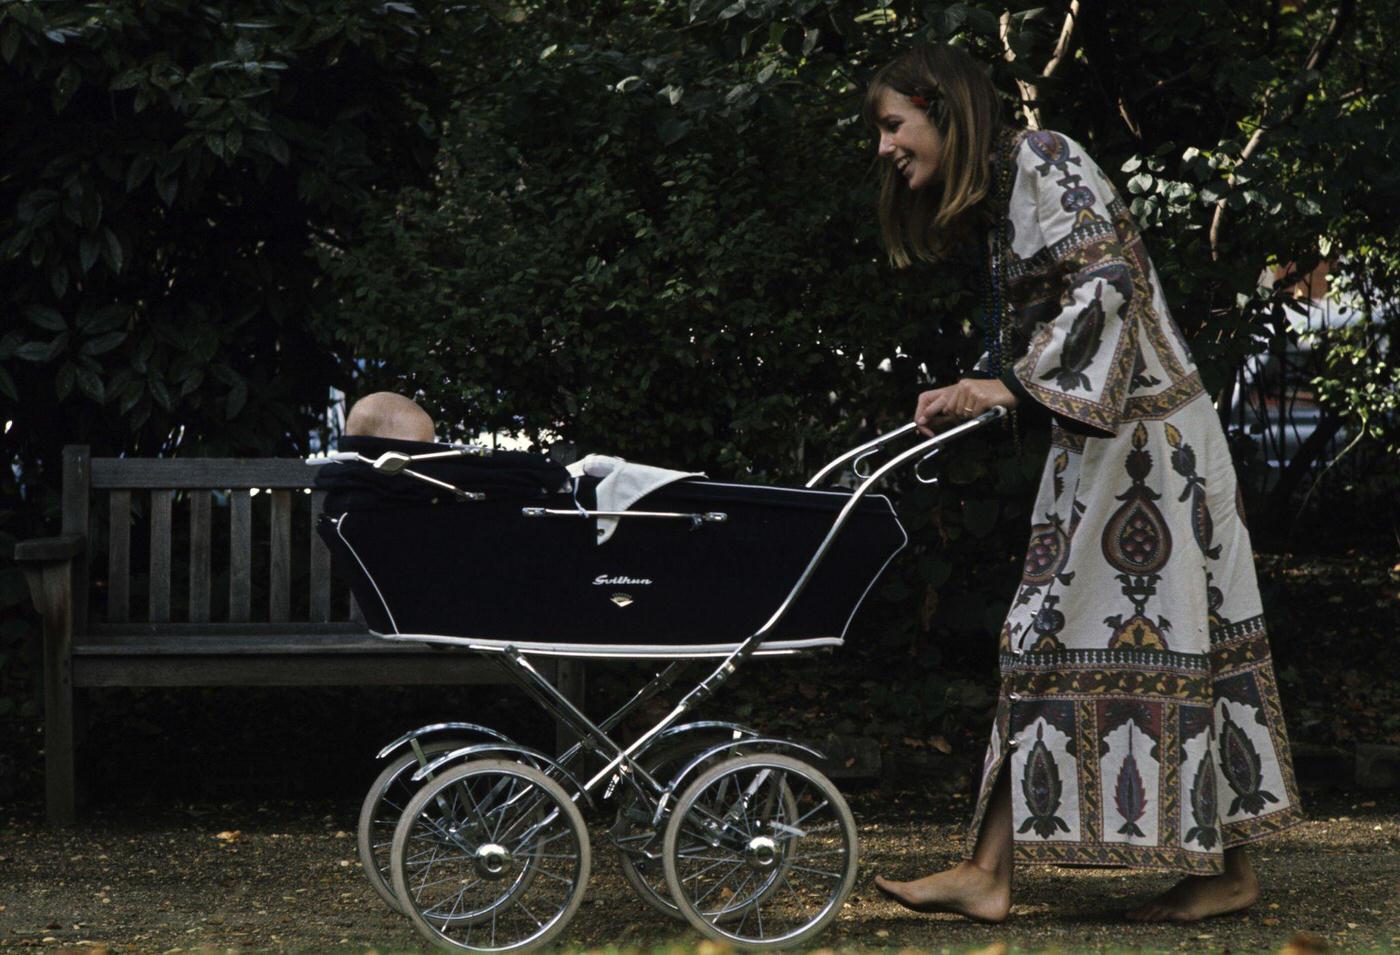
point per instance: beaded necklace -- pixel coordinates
(998, 331)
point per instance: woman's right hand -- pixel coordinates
(941, 408)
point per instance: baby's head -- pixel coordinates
(384, 414)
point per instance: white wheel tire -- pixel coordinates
(847, 876)
(559, 921)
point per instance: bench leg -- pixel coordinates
(51, 587)
(568, 678)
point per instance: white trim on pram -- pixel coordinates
(629, 650)
(648, 651)
(353, 553)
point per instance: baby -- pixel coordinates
(385, 414)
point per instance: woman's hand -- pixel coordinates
(942, 408)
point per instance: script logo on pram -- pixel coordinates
(603, 580)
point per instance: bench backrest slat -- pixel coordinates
(280, 565)
(320, 565)
(166, 522)
(240, 557)
(200, 473)
(199, 556)
(119, 557)
(160, 556)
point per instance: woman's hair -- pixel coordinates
(965, 108)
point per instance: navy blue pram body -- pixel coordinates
(426, 565)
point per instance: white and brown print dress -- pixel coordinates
(1139, 716)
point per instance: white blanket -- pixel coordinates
(623, 484)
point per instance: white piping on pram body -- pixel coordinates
(353, 553)
(649, 651)
(635, 651)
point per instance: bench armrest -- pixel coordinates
(43, 550)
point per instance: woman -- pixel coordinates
(1139, 722)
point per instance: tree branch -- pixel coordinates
(1064, 48)
(1029, 94)
(1317, 58)
(1069, 39)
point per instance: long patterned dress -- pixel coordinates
(1139, 709)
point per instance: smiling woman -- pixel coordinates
(1139, 721)
(938, 116)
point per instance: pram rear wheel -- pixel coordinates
(490, 856)
(641, 864)
(760, 852)
(381, 810)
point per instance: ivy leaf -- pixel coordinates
(87, 253)
(237, 398)
(7, 386)
(111, 250)
(91, 385)
(46, 318)
(69, 79)
(103, 343)
(139, 169)
(161, 394)
(34, 351)
(166, 188)
(64, 380)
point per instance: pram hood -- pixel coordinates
(352, 485)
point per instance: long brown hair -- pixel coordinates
(965, 108)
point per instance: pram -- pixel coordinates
(481, 840)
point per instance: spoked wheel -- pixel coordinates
(642, 867)
(380, 812)
(760, 852)
(490, 856)
(647, 875)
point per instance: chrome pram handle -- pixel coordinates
(922, 451)
(396, 462)
(858, 455)
(709, 517)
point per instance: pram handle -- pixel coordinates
(709, 517)
(857, 455)
(721, 673)
(396, 462)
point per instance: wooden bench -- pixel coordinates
(204, 572)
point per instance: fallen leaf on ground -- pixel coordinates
(1304, 943)
(229, 835)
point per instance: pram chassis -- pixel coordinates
(541, 792)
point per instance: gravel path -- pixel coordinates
(284, 878)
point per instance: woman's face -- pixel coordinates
(908, 139)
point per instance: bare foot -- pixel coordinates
(963, 890)
(1199, 897)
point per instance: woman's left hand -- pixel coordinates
(942, 408)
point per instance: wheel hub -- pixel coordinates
(761, 852)
(493, 861)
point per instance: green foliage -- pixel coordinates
(642, 228)
(163, 170)
(652, 233)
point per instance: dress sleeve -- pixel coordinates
(1067, 216)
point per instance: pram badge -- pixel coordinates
(603, 580)
(622, 600)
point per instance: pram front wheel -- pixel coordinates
(760, 852)
(490, 856)
(381, 810)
